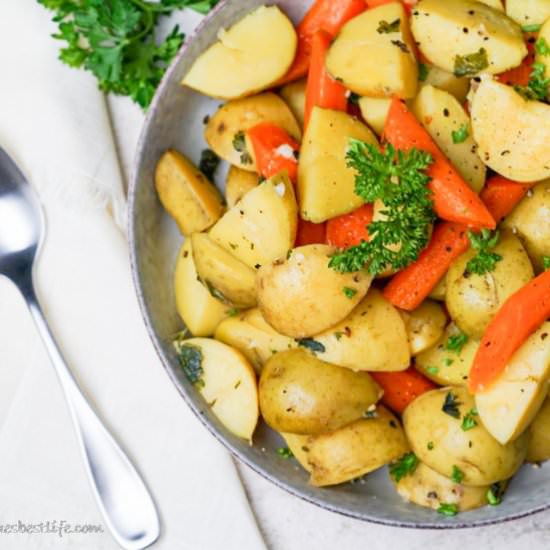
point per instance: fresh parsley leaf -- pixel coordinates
(457, 475)
(471, 64)
(485, 260)
(285, 452)
(542, 47)
(460, 135)
(537, 88)
(423, 71)
(190, 360)
(349, 292)
(456, 342)
(469, 422)
(450, 405)
(432, 370)
(386, 28)
(495, 493)
(405, 466)
(311, 344)
(399, 180)
(535, 27)
(239, 144)
(448, 509)
(546, 263)
(209, 163)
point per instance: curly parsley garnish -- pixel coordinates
(405, 466)
(399, 180)
(471, 64)
(460, 135)
(448, 509)
(116, 41)
(469, 422)
(485, 260)
(386, 28)
(450, 405)
(190, 360)
(456, 342)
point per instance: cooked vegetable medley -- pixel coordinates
(373, 281)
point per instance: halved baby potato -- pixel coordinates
(515, 145)
(198, 309)
(528, 12)
(449, 126)
(225, 277)
(262, 226)
(466, 37)
(371, 338)
(447, 81)
(186, 194)
(326, 185)
(242, 61)
(237, 184)
(295, 96)
(424, 325)
(375, 111)
(301, 394)
(428, 488)
(225, 132)
(253, 337)
(301, 296)
(226, 381)
(351, 451)
(373, 54)
(508, 406)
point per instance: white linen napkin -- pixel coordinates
(55, 124)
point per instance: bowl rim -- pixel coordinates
(144, 310)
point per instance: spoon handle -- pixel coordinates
(123, 498)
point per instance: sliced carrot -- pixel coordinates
(322, 90)
(310, 233)
(515, 321)
(408, 288)
(402, 388)
(501, 195)
(274, 150)
(326, 15)
(453, 198)
(350, 229)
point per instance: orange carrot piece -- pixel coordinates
(310, 233)
(408, 288)
(350, 229)
(515, 321)
(501, 195)
(402, 388)
(453, 198)
(274, 150)
(326, 15)
(322, 90)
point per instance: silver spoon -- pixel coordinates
(121, 495)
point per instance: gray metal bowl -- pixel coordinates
(176, 120)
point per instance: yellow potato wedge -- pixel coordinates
(186, 194)
(514, 145)
(226, 129)
(295, 96)
(510, 404)
(326, 185)
(226, 381)
(528, 12)
(238, 184)
(446, 81)
(373, 54)
(375, 111)
(225, 277)
(262, 226)
(424, 325)
(242, 61)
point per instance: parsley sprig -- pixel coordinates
(399, 180)
(485, 260)
(116, 41)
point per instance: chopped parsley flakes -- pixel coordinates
(386, 28)
(469, 421)
(405, 466)
(471, 64)
(349, 292)
(285, 452)
(450, 405)
(448, 509)
(457, 475)
(190, 360)
(311, 345)
(460, 135)
(456, 342)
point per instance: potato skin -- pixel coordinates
(242, 60)
(473, 300)
(539, 443)
(301, 394)
(301, 296)
(198, 309)
(240, 115)
(438, 28)
(452, 368)
(352, 451)
(186, 194)
(430, 489)
(530, 220)
(480, 457)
